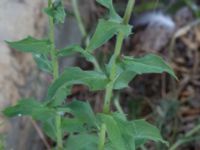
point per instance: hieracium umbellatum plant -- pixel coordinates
(74, 125)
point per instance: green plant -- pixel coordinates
(84, 129)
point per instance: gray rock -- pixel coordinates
(18, 18)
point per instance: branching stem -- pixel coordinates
(119, 42)
(109, 88)
(83, 30)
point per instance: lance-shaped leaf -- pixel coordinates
(112, 13)
(83, 112)
(49, 127)
(31, 44)
(74, 75)
(43, 63)
(106, 30)
(60, 96)
(114, 133)
(72, 125)
(148, 64)
(123, 77)
(30, 107)
(129, 67)
(57, 12)
(82, 115)
(83, 141)
(138, 131)
(143, 131)
(73, 49)
(70, 50)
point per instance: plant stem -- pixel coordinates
(118, 106)
(55, 76)
(102, 137)
(109, 88)
(128, 11)
(78, 18)
(96, 65)
(119, 42)
(53, 51)
(83, 30)
(52, 40)
(59, 132)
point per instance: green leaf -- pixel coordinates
(129, 67)
(122, 78)
(43, 63)
(60, 96)
(114, 132)
(30, 107)
(82, 117)
(33, 45)
(144, 131)
(148, 64)
(57, 12)
(125, 132)
(137, 131)
(81, 141)
(74, 75)
(49, 127)
(71, 125)
(83, 112)
(106, 30)
(109, 146)
(70, 50)
(112, 13)
(73, 49)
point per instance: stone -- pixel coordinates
(18, 18)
